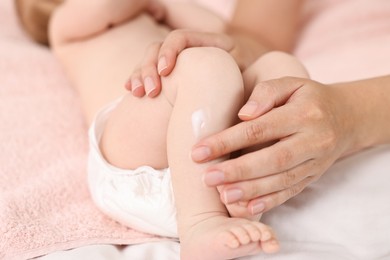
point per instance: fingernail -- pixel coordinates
(248, 109)
(232, 195)
(128, 85)
(200, 153)
(162, 64)
(257, 208)
(149, 85)
(135, 83)
(213, 178)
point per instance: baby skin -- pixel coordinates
(158, 132)
(209, 80)
(224, 237)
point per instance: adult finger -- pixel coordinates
(179, 40)
(273, 200)
(269, 127)
(150, 77)
(274, 159)
(259, 126)
(269, 94)
(249, 190)
(135, 84)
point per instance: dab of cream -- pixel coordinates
(198, 119)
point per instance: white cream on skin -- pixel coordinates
(198, 119)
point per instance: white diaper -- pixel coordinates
(141, 199)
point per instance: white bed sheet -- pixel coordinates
(169, 250)
(345, 215)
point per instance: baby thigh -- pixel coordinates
(135, 133)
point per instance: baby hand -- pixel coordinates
(160, 58)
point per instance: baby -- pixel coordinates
(140, 171)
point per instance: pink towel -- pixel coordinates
(44, 200)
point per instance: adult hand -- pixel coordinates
(160, 58)
(309, 126)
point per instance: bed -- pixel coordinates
(45, 207)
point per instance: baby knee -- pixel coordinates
(208, 64)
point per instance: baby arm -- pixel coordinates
(76, 20)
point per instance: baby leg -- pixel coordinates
(208, 96)
(272, 65)
(135, 133)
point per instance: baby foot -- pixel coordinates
(222, 238)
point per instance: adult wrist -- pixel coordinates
(247, 48)
(367, 104)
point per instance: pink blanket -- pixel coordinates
(44, 201)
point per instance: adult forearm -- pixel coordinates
(248, 48)
(275, 22)
(369, 101)
(259, 26)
